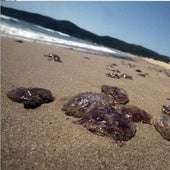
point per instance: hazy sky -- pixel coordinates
(142, 23)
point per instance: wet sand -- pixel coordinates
(45, 138)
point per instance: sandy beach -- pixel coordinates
(46, 139)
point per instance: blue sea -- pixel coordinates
(14, 28)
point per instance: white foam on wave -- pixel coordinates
(8, 18)
(66, 35)
(50, 30)
(47, 29)
(46, 39)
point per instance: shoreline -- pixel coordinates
(152, 61)
(104, 54)
(45, 138)
(156, 62)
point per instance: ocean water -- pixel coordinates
(12, 27)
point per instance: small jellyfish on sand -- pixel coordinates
(126, 76)
(53, 57)
(166, 109)
(118, 95)
(138, 70)
(86, 58)
(113, 75)
(134, 113)
(130, 65)
(111, 65)
(19, 41)
(30, 97)
(118, 75)
(162, 125)
(143, 74)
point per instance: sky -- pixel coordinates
(143, 23)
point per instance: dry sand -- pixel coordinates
(45, 138)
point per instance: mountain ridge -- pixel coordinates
(72, 29)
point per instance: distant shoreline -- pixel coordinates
(127, 57)
(71, 29)
(156, 62)
(120, 55)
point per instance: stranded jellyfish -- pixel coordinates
(134, 113)
(162, 125)
(30, 97)
(118, 95)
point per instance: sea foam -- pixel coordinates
(15, 28)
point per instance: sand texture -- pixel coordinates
(45, 138)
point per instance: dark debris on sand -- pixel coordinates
(30, 97)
